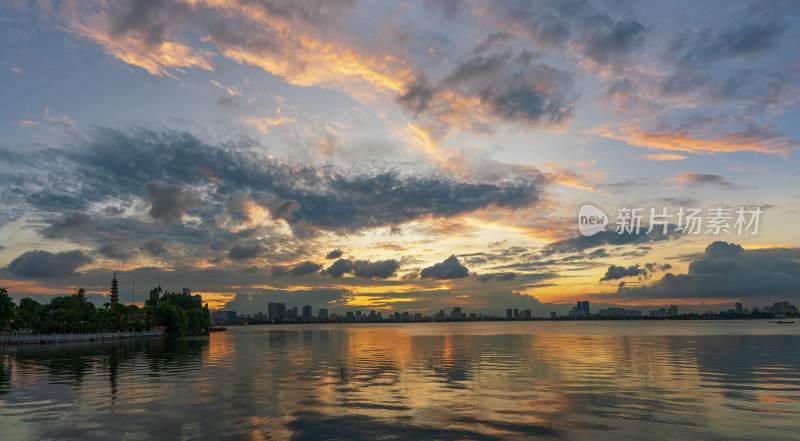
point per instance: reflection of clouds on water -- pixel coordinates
(483, 381)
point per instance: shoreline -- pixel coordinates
(785, 320)
(42, 339)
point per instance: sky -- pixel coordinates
(401, 156)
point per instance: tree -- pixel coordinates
(153, 300)
(7, 308)
(29, 314)
(173, 319)
(180, 314)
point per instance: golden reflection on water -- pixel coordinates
(484, 381)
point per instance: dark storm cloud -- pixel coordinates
(43, 264)
(334, 254)
(510, 87)
(381, 269)
(174, 173)
(608, 237)
(616, 272)
(284, 210)
(726, 270)
(300, 269)
(114, 164)
(357, 202)
(340, 268)
(155, 247)
(450, 268)
(115, 251)
(70, 223)
(168, 203)
(247, 251)
(723, 249)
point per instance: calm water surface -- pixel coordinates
(465, 381)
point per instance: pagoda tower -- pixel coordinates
(114, 289)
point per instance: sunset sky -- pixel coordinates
(409, 156)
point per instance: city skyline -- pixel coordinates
(279, 313)
(402, 157)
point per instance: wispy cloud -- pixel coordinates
(696, 179)
(760, 140)
(664, 157)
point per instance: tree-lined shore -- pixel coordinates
(177, 314)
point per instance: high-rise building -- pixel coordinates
(322, 315)
(114, 289)
(583, 308)
(218, 317)
(231, 318)
(738, 308)
(516, 314)
(276, 311)
(509, 314)
(553, 315)
(673, 310)
(781, 308)
(527, 314)
(307, 313)
(349, 316)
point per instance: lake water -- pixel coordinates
(665, 380)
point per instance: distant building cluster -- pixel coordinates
(280, 313)
(582, 310)
(781, 308)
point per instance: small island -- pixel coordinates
(75, 318)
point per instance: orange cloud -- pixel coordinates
(217, 300)
(757, 140)
(157, 59)
(302, 59)
(664, 157)
(295, 53)
(568, 178)
(266, 123)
